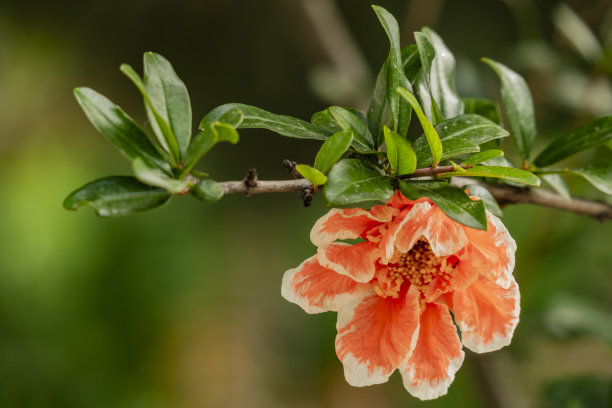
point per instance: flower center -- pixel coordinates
(419, 266)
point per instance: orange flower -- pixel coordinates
(394, 291)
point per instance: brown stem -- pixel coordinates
(432, 171)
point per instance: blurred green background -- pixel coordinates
(181, 306)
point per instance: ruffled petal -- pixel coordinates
(455, 274)
(317, 289)
(487, 314)
(437, 355)
(398, 200)
(357, 261)
(424, 219)
(348, 223)
(492, 252)
(375, 336)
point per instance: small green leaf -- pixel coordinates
(118, 128)
(353, 181)
(591, 135)
(599, 175)
(483, 107)
(332, 150)
(506, 173)
(518, 105)
(442, 77)
(207, 190)
(430, 133)
(453, 201)
(311, 174)
(400, 153)
(379, 109)
(483, 156)
(225, 132)
(486, 196)
(326, 121)
(169, 97)
(427, 54)
(157, 178)
(117, 195)
(556, 182)
(411, 59)
(256, 118)
(349, 121)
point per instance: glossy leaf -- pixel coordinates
(325, 121)
(169, 98)
(411, 59)
(311, 174)
(452, 200)
(256, 118)
(599, 175)
(378, 106)
(518, 106)
(118, 128)
(591, 135)
(558, 184)
(396, 76)
(483, 156)
(157, 178)
(442, 77)
(483, 107)
(487, 198)
(351, 122)
(161, 128)
(400, 153)
(207, 190)
(353, 181)
(452, 148)
(332, 150)
(117, 195)
(430, 132)
(427, 54)
(506, 173)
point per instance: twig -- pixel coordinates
(269, 186)
(431, 171)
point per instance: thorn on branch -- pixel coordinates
(306, 195)
(290, 166)
(251, 178)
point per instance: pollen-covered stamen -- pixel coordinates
(419, 266)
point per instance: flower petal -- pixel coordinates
(376, 335)
(348, 223)
(492, 251)
(317, 289)
(461, 276)
(398, 200)
(357, 261)
(437, 355)
(487, 314)
(424, 219)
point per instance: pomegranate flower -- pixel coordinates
(394, 291)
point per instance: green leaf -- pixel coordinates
(326, 121)
(332, 150)
(353, 181)
(400, 153)
(430, 133)
(379, 109)
(118, 128)
(483, 107)
(220, 130)
(411, 59)
(157, 178)
(311, 174)
(427, 54)
(255, 118)
(518, 106)
(396, 76)
(207, 190)
(161, 128)
(483, 156)
(349, 121)
(556, 182)
(486, 197)
(441, 75)
(169, 97)
(591, 135)
(453, 201)
(117, 195)
(599, 175)
(506, 173)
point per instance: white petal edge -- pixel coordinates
(429, 390)
(336, 267)
(318, 237)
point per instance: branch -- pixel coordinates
(504, 195)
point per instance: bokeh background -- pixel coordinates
(181, 306)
